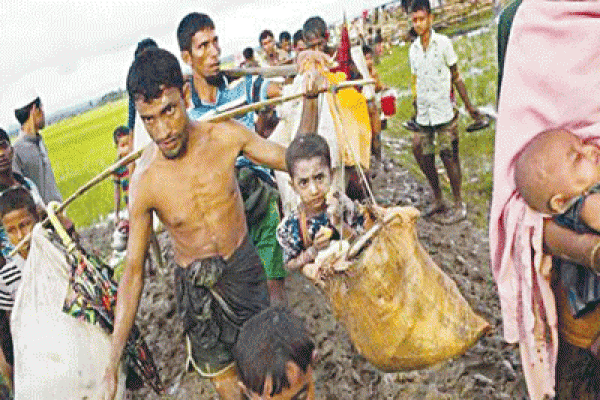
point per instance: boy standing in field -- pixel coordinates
(434, 71)
(123, 142)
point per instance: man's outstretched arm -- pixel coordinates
(130, 286)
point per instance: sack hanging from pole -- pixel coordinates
(402, 312)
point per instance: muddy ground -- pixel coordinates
(489, 370)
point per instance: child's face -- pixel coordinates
(124, 145)
(18, 224)
(311, 181)
(572, 165)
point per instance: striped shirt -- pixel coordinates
(240, 92)
(10, 279)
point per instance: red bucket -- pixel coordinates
(388, 104)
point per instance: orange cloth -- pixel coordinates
(352, 123)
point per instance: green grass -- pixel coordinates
(477, 64)
(79, 149)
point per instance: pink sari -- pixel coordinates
(551, 79)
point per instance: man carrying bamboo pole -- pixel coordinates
(188, 179)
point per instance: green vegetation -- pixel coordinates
(79, 149)
(477, 64)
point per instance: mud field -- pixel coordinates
(489, 370)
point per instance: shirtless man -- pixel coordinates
(187, 177)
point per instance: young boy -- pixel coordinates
(274, 355)
(310, 228)
(433, 64)
(18, 214)
(558, 173)
(124, 144)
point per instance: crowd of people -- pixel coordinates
(238, 229)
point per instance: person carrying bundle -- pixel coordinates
(59, 276)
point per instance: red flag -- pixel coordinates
(343, 53)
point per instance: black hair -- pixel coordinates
(4, 135)
(266, 342)
(16, 198)
(420, 5)
(367, 50)
(144, 44)
(189, 25)
(285, 35)
(265, 34)
(306, 147)
(297, 37)
(152, 72)
(314, 28)
(248, 53)
(119, 132)
(22, 114)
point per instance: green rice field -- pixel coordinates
(79, 149)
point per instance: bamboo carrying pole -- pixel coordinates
(267, 72)
(212, 118)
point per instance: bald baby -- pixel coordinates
(554, 169)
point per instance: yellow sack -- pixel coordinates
(352, 123)
(401, 310)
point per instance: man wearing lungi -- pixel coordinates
(187, 177)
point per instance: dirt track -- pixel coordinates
(489, 370)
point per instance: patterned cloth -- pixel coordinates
(249, 89)
(91, 297)
(215, 297)
(289, 234)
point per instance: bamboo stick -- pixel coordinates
(267, 72)
(211, 118)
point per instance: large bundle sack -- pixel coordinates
(401, 310)
(56, 356)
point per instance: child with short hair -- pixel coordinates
(274, 354)
(558, 173)
(314, 223)
(18, 213)
(124, 144)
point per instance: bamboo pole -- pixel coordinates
(267, 72)
(211, 118)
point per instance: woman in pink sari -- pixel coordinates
(551, 79)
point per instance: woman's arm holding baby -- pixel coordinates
(580, 248)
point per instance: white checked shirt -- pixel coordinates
(434, 80)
